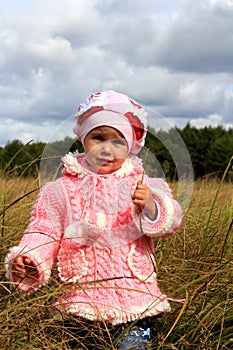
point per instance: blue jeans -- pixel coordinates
(83, 334)
(137, 337)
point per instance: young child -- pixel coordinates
(97, 222)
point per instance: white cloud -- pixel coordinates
(221, 3)
(213, 120)
(25, 132)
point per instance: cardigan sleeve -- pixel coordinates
(41, 239)
(169, 211)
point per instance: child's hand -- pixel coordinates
(23, 266)
(142, 197)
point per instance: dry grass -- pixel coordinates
(195, 264)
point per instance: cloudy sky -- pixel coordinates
(173, 56)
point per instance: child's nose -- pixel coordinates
(106, 147)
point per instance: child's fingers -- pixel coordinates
(28, 262)
(19, 269)
(30, 266)
(19, 263)
(141, 188)
(138, 194)
(24, 265)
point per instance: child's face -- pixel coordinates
(105, 149)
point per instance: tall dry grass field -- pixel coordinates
(196, 264)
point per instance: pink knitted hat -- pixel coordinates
(113, 109)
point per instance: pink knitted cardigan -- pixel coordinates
(101, 243)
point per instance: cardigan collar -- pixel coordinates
(76, 164)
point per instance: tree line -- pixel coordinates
(210, 150)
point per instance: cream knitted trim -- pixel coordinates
(139, 272)
(117, 316)
(76, 278)
(164, 222)
(73, 167)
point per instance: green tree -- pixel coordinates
(11, 157)
(210, 150)
(219, 153)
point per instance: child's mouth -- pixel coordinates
(104, 161)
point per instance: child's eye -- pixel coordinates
(119, 142)
(98, 138)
